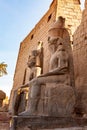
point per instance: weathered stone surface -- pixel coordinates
(80, 63)
(60, 100)
(81, 103)
(53, 123)
(72, 128)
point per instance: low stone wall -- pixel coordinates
(4, 121)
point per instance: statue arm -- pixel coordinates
(25, 85)
(57, 71)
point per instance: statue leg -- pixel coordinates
(33, 100)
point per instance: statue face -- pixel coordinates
(53, 40)
(31, 61)
(61, 22)
(34, 53)
(53, 43)
(60, 47)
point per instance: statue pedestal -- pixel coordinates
(55, 107)
(47, 123)
(55, 110)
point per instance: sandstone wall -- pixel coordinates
(80, 62)
(80, 52)
(70, 9)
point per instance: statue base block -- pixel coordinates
(42, 123)
(57, 100)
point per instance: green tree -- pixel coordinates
(3, 70)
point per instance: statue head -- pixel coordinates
(31, 60)
(61, 22)
(52, 41)
(56, 44)
(60, 45)
(57, 29)
(34, 53)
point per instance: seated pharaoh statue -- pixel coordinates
(35, 66)
(53, 93)
(35, 62)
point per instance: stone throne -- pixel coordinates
(52, 95)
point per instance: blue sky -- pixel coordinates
(17, 18)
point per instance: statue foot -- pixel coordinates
(27, 113)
